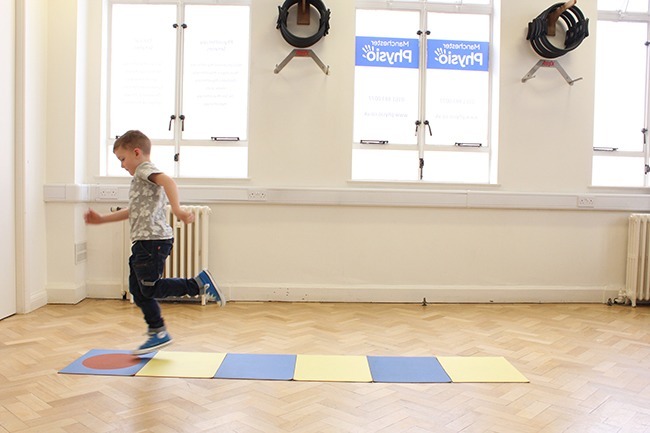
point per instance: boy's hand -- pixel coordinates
(185, 216)
(92, 217)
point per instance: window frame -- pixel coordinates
(631, 17)
(424, 7)
(177, 140)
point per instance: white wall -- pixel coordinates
(66, 143)
(31, 132)
(545, 125)
(300, 138)
(7, 137)
(369, 253)
(301, 119)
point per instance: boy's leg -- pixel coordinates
(166, 287)
(149, 306)
(146, 264)
(150, 259)
(209, 289)
(158, 336)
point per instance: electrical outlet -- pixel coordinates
(584, 201)
(107, 193)
(257, 195)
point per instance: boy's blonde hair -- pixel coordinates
(133, 139)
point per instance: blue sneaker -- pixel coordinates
(155, 342)
(208, 289)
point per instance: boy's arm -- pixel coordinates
(92, 217)
(171, 190)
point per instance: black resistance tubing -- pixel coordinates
(577, 29)
(303, 42)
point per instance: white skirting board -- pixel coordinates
(36, 301)
(65, 293)
(393, 294)
(416, 294)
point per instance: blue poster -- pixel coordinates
(387, 52)
(457, 55)
(404, 53)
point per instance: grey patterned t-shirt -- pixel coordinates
(147, 203)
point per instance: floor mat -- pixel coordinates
(480, 369)
(406, 369)
(253, 366)
(183, 364)
(317, 368)
(332, 368)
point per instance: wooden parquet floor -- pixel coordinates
(588, 365)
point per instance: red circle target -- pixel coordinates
(111, 361)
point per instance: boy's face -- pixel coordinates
(130, 158)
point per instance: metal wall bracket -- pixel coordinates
(302, 53)
(549, 64)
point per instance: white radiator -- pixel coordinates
(637, 278)
(190, 252)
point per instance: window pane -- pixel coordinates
(461, 167)
(620, 83)
(611, 5)
(457, 107)
(385, 164)
(214, 161)
(637, 6)
(386, 76)
(143, 58)
(623, 5)
(457, 2)
(162, 155)
(215, 72)
(113, 165)
(473, 2)
(458, 78)
(618, 171)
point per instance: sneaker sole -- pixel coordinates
(151, 349)
(222, 300)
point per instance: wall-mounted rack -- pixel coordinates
(302, 53)
(549, 64)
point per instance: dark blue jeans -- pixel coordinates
(146, 284)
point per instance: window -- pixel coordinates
(620, 156)
(422, 92)
(178, 71)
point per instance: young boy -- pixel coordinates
(152, 238)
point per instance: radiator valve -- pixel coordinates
(621, 299)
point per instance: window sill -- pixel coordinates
(385, 197)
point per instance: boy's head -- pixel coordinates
(132, 149)
(133, 139)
